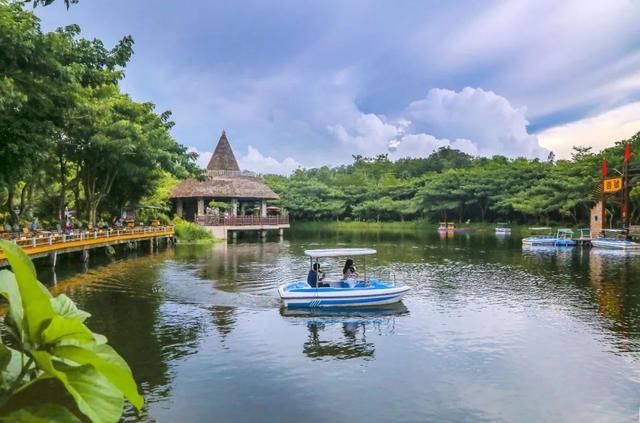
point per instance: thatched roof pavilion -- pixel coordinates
(225, 182)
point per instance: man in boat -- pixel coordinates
(314, 277)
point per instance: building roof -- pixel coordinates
(248, 187)
(223, 157)
(224, 179)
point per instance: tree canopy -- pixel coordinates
(69, 136)
(452, 185)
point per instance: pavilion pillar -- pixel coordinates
(179, 209)
(200, 206)
(263, 208)
(234, 207)
(243, 207)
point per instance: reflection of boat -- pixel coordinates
(395, 309)
(614, 239)
(342, 333)
(341, 293)
(447, 227)
(562, 238)
(502, 228)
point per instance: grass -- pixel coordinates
(192, 233)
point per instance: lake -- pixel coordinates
(489, 332)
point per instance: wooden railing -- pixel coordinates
(243, 220)
(45, 238)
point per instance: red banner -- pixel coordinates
(604, 169)
(627, 153)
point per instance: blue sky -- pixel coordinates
(311, 83)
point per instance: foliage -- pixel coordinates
(49, 349)
(449, 184)
(69, 136)
(191, 232)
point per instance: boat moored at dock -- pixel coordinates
(562, 237)
(615, 239)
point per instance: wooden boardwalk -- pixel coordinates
(52, 244)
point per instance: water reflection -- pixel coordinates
(491, 325)
(343, 334)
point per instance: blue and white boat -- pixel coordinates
(614, 239)
(365, 292)
(562, 238)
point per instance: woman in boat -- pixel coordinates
(349, 273)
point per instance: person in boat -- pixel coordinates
(350, 274)
(315, 276)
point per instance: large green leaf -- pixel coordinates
(94, 395)
(62, 329)
(42, 413)
(11, 366)
(35, 298)
(10, 291)
(65, 307)
(107, 361)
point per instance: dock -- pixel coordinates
(52, 244)
(222, 227)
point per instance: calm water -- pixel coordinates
(489, 332)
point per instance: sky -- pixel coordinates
(307, 84)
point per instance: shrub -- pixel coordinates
(191, 232)
(48, 350)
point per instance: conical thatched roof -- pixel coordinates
(223, 157)
(224, 179)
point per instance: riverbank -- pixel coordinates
(411, 226)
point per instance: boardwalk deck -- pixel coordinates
(44, 244)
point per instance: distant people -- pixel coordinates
(315, 276)
(119, 223)
(350, 274)
(34, 225)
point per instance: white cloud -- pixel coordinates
(203, 157)
(255, 161)
(599, 131)
(473, 120)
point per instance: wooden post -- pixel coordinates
(179, 207)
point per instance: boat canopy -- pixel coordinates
(565, 231)
(339, 252)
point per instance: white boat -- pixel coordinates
(614, 239)
(363, 292)
(562, 238)
(503, 228)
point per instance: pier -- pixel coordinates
(52, 244)
(222, 227)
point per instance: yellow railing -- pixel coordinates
(44, 241)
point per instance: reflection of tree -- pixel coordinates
(224, 319)
(128, 305)
(353, 345)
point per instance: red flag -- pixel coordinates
(627, 153)
(604, 169)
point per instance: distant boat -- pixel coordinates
(447, 227)
(503, 228)
(451, 227)
(614, 239)
(562, 237)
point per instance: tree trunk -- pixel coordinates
(11, 190)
